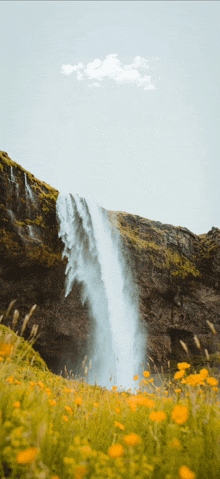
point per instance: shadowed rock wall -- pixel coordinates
(177, 276)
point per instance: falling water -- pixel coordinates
(95, 260)
(29, 194)
(13, 180)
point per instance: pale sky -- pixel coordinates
(117, 100)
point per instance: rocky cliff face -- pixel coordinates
(177, 275)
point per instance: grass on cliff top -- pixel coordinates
(56, 428)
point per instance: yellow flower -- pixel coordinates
(183, 365)
(212, 381)
(5, 349)
(175, 443)
(146, 374)
(179, 374)
(185, 473)
(80, 471)
(203, 373)
(118, 424)
(132, 439)
(78, 401)
(116, 450)
(68, 408)
(17, 404)
(180, 414)
(178, 390)
(10, 379)
(158, 416)
(135, 377)
(27, 456)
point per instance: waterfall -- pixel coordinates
(29, 194)
(13, 180)
(95, 260)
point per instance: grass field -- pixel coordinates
(53, 427)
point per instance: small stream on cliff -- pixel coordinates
(95, 259)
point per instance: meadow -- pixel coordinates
(55, 427)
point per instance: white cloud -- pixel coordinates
(112, 68)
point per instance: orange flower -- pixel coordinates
(175, 443)
(95, 404)
(212, 381)
(118, 424)
(132, 439)
(80, 471)
(52, 402)
(114, 388)
(17, 404)
(116, 450)
(27, 456)
(68, 408)
(78, 401)
(10, 379)
(158, 416)
(5, 349)
(41, 384)
(179, 374)
(185, 473)
(135, 377)
(203, 373)
(117, 410)
(65, 418)
(183, 365)
(146, 374)
(180, 414)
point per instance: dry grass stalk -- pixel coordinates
(33, 331)
(207, 354)
(26, 319)
(184, 346)
(197, 342)
(10, 307)
(15, 318)
(84, 362)
(212, 327)
(86, 371)
(1, 317)
(66, 372)
(90, 364)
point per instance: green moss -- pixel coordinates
(1, 167)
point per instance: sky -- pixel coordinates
(117, 100)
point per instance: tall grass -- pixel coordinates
(53, 427)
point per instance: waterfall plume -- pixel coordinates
(92, 247)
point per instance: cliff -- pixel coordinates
(177, 274)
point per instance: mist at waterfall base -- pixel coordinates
(95, 259)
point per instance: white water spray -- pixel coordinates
(94, 259)
(29, 194)
(13, 180)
